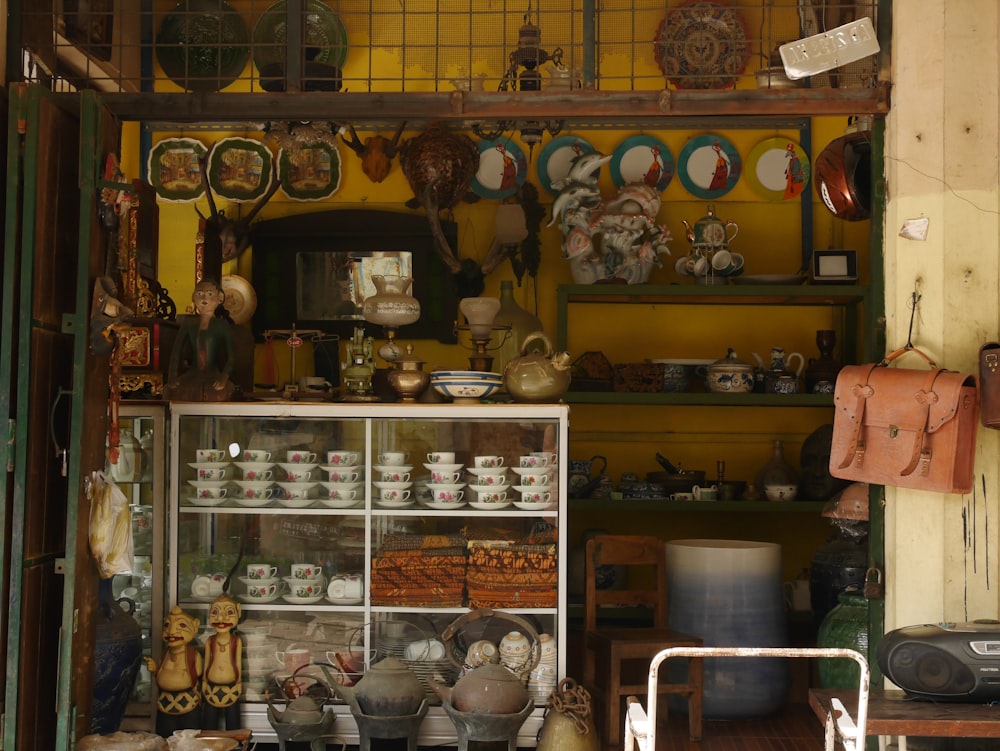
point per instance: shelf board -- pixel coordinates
(699, 399)
(649, 504)
(691, 294)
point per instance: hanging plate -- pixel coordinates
(241, 300)
(502, 168)
(709, 166)
(778, 169)
(702, 44)
(203, 45)
(555, 159)
(240, 169)
(174, 169)
(325, 44)
(642, 159)
(310, 172)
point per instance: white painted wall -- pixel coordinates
(942, 163)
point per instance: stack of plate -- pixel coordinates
(431, 671)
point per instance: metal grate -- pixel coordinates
(427, 45)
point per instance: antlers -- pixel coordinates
(376, 152)
(232, 235)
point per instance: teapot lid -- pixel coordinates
(731, 361)
(409, 361)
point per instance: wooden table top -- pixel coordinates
(892, 712)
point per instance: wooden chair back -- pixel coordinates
(641, 555)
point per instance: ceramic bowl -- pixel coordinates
(471, 384)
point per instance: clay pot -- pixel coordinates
(538, 376)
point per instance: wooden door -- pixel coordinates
(56, 396)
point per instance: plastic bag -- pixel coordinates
(121, 741)
(110, 526)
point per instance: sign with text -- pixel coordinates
(829, 50)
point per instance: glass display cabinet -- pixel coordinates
(355, 532)
(139, 473)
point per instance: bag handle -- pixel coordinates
(902, 351)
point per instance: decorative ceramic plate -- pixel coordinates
(555, 159)
(241, 300)
(642, 159)
(326, 36)
(702, 44)
(239, 169)
(310, 172)
(502, 168)
(778, 169)
(174, 169)
(203, 45)
(709, 166)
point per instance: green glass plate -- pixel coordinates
(325, 36)
(203, 45)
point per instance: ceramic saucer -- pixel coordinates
(345, 600)
(303, 600)
(443, 505)
(489, 506)
(259, 600)
(197, 501)
(395, 504)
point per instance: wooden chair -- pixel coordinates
(609, 649)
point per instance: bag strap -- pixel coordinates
(925, 397)
(855, 449)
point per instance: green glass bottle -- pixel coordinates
(521, 322)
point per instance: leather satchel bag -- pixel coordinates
(989, 384)
(907, 428)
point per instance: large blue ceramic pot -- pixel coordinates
(117, 656)
(729, 592)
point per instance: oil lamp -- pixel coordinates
(480, 313)
(391, 307)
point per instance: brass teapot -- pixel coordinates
(710, 233)
(537, 376)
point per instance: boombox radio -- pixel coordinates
(944, 662)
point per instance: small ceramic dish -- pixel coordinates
(492, 506)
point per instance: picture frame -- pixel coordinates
(834, 266)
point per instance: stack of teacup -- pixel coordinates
(543, 678)
(210, 481)
(489, 482)
(256, 487)
(394, 486)
(306, 583)
(300, 468)
(534, 482)
(444, 484)
(343, 485)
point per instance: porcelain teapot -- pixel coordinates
(781, 362)
(710, 233)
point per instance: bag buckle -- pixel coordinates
(893, 431)
(991, 360)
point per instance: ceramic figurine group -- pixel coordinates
(199, 691)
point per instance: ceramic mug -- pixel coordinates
(261, 571)
(209, 492)
(306, 570)
(339, 458)
(441, 457)
(532, 461)
(256, 455)
(392, 458)
(261, 591)
(259, 493)
(292, 658)
(491, 479)
(395, 476)
(211, 473)
(488, 461)
(210, 456)
(709, 493)
(298, 456)
(337, 475)
(444, 478)
(535, 496)
(257, 475)
(392, 495)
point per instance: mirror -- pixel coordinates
(314, 271)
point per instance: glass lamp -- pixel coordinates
(480, 312)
